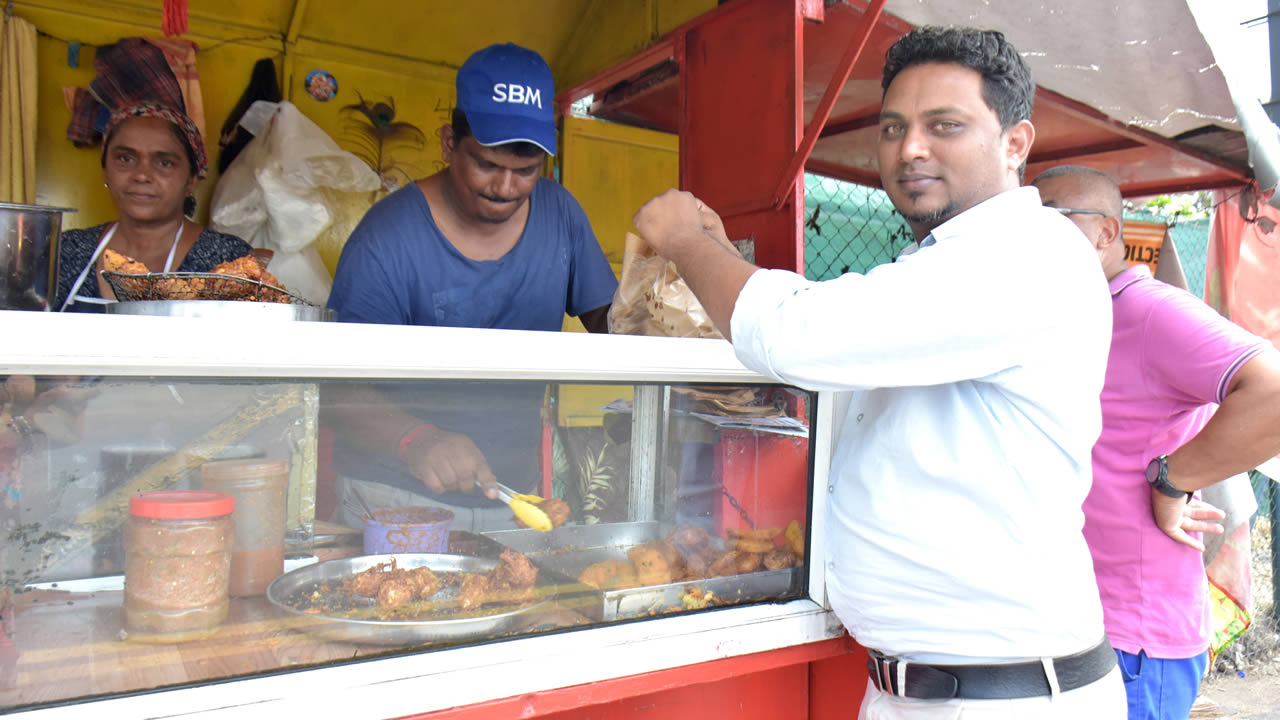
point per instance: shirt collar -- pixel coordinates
(977, 218)
(1129, 276)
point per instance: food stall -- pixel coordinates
(668, 603)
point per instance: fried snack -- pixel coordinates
(471, 594)
(513, 572)
(690, 539)
(367, 582)
(651, 565)
(750, 545)
(726, 564)
(610, 575)
(556, 509)
(698, 565)
(118, 262)
(748, 562)
(557, 512)
(756, 534)
(395, 594)
(780, 559)
(795, 537)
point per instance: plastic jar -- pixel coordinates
(260, 488)
(177, 564)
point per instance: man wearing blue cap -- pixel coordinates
(487, 242)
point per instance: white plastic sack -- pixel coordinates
(284, 189)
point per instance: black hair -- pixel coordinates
(462, 130)
(1007, 87)
(177, 132)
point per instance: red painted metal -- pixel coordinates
(859, 40)
(667, 689)
(813, 10)
(742, 123)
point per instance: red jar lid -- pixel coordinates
(181, 504)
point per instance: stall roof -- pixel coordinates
(1122, 88)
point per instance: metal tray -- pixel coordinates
(570, 549)
(247, 310)
(393, 632)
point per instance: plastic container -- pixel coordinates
(177, 564)
(260, 490)
(407, 529)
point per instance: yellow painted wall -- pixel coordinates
(406, 50)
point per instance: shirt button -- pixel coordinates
(859, 417)
(831, 566)
(831, 488)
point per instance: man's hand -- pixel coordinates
(714, 226)
(449, 462)
(1177, 517)
(671, 219)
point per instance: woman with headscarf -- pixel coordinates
(152, 158)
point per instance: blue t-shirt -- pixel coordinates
(397, 268)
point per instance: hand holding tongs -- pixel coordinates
(525, 508)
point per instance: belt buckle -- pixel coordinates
(884, 670)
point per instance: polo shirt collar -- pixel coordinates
(1129, 276)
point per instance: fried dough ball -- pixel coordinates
(754, 533)
(245, 267)
(651, 565)
(471, 594)
(557, 512)
(698, 565)
(121, 263)
(780, 559)
(690, 539)
(556, 509)
(423, 581)
(610, 575)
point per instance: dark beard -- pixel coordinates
(932, 219)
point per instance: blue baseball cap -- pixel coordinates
(508, 95)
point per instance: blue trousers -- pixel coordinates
(1161, 689)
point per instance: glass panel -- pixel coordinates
(662, 498)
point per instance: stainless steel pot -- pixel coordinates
(29, 255)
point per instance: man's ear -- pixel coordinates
(1112, 232)
(448, 144)
(1018, 140)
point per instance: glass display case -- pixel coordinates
(656, 510)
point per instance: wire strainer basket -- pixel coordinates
(195, 286)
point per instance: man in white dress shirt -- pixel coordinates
(954, 545)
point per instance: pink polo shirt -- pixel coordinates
(1172, 359)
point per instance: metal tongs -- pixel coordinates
(526, 508)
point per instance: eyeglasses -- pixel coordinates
(1080, 211)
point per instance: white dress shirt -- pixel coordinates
(954, 511)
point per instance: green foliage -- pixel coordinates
(1181, 206)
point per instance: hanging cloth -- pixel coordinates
(72, 297)
(129, 72)
(18, 111)
(181, 56)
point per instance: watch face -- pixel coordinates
(1153, 471)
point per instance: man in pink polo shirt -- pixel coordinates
(1190, 399)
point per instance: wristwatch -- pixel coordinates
(1158, 477)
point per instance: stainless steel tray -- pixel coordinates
(570, 549)
(392, 632)
(223, 309)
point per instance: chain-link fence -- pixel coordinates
(852, 228)
(1191, 237)
(848, 228)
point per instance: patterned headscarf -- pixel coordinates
(179, 119)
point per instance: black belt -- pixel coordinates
(988, 682)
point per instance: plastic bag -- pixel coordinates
(288, 186)
(652, 298)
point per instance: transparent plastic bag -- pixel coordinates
(652, 298)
